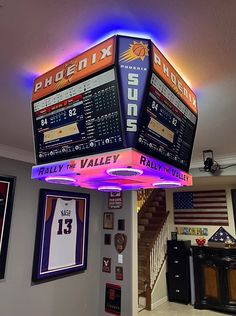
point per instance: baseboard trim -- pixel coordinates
(159, 302)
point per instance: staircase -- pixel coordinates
(152, 235)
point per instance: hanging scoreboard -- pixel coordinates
(120, 94)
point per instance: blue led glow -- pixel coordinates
(126, 25)
(27, 80)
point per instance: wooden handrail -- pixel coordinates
(157, 232)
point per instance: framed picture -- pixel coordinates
(108, 220)
(115, 200)
(61, 235)
(119, 273)
(7, 188)
(173, 235)
(107, 239)
(106, 265)
(113, 299)
(121, 224)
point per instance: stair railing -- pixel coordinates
(156, 258)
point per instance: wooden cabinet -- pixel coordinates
(215, 278)
(178, 282)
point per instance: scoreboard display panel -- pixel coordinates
(80, 120)
(167, 127)
(122, 93)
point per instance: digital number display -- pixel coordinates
(167, 126)
(83, 119)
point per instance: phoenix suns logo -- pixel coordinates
(135, 51)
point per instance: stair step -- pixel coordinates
(142, 249)
(142, 256)
(156, 220)
(159, 214)
(144, 242)
(154, 209)
(140, 292)
(147, 215)
(141, 284)
(143, 221)
(141, 228)
(147, 234)
(153, 227)
(141, 269)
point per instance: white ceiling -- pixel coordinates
(199, 37)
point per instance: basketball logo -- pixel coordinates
(135, 51)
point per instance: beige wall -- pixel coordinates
(211, 229)
(73, 295)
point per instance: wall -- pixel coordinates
(72, 295)
(129, 292)
(211, 229)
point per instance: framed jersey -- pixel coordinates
(7, 188)
(62, 234)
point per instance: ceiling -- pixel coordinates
(198, 37)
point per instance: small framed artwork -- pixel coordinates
(173, 235)
(113, 299)
(62, 234)
(121, 224)
(107, 239)
(108, 220)
(119, 273)
(106, 265)
(115, 200)
(7, 188)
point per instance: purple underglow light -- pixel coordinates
(60, 180)
(167, 184)
(109, 189)
(124, 172)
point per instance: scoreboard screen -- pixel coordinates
(167, 126)
(79, 120)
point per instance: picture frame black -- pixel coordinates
(121, 224)
(107, 239)
(173, 235)
(61, 241)
(233, 196)
(7, 191)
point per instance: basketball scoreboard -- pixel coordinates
(117, 116)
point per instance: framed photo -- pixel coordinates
(121, 224)
(61, 235)
(115, 200)
(107, 239)
(113, 299)
(119, 273)
(106, 265)
(7, 188)
(108, 220)
(173, 235)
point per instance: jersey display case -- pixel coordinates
(118, 105)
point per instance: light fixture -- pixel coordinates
(60, 180)
(208, 159)
(107, 188)
(124, 172)
(167, 184)
(210, 165)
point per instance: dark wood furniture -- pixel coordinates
(178, 278)
(215, 278)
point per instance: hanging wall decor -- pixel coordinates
(7, 188)
(62, 234)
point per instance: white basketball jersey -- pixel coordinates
(63, 237)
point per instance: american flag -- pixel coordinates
(201, 208)
(221, 235)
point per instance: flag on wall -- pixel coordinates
(201, 208)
